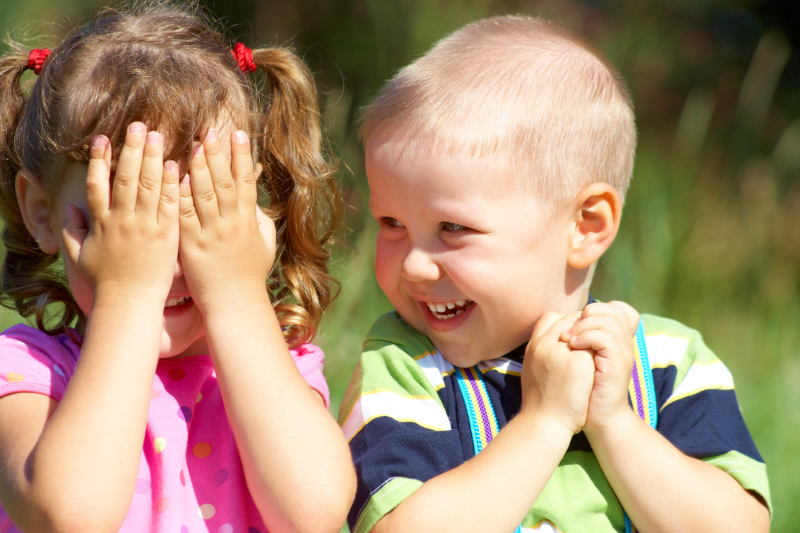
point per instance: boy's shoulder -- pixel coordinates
(677, 348)
(391, 330)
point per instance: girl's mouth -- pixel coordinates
(175, 302)
(448, 310)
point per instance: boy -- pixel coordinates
(497, 165)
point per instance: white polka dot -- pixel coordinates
(199, 397)
(207, 511)
(225, 528)
(58, 370)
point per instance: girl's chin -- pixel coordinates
(173, 348)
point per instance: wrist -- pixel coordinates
(615, 426)
(125, 295)
(537, 419)
(243, 298)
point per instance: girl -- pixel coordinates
(183, 400)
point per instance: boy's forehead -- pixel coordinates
(432, 166)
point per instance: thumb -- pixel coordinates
(74, 231)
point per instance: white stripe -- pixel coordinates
(703, 377)
(434, 366)
(426, 412)
(501, 364)
(663, 350)
(544, 527)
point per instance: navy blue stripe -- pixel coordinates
(386, 448)
(707, 424)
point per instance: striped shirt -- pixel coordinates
(406, 422)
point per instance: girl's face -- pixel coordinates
(183, 331)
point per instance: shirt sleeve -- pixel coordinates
(399, 432)
(33, 361)
(698, 409)
(310, 361)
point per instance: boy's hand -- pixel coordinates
(227, 244)
(608, 329)
(557, 380)
(129, 245)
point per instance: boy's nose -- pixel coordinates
(420, 266)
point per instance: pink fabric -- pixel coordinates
(190, 475)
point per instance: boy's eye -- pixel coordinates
(452, 226)
(389, 222)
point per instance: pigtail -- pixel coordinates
(31, 280)
(302, 191)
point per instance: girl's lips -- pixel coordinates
(177, 310)
(448, 324)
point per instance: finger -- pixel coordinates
(219, 166)
(596, 339)
(189, 223)
(98, 177)
(74, 232)
(595, 323)
(151, 175)
(126, 180)
(169, 201)
(243, 171)
(556, 327)
(606, 309)
(631, 313)
(205, 199)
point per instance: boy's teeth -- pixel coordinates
(451, 309)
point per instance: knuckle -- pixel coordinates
(148, 183)
(225, 183)
(188, 212)
(207, 196)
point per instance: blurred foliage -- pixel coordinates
(710, 233)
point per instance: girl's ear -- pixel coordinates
(35, 210)
(596, 217)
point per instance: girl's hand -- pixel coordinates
(227, 244)
(129, 245)
(608, 329)
(556, 379)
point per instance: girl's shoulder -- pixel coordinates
(33, 361)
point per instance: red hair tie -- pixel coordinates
(36, 59)
(244, 58)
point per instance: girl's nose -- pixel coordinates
(420, 266)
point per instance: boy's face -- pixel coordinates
(464, 254)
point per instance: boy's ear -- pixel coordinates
(35, 210)
(596, 216)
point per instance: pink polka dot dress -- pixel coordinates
(190, 475)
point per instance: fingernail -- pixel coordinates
(171, 166)
(153, 137)
(99, 141)
(186, 179)
(211, 136)
(137, 128)
(240, 137)
(567, 332)
(197, 148)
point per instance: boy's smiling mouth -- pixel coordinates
(448, 310)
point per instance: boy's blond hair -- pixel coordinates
(519, 88)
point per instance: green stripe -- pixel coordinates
(384, 500)
(387, 365)
(751, 474)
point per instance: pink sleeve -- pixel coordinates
(310, 361)
(33, 361)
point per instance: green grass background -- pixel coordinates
(710, 233)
